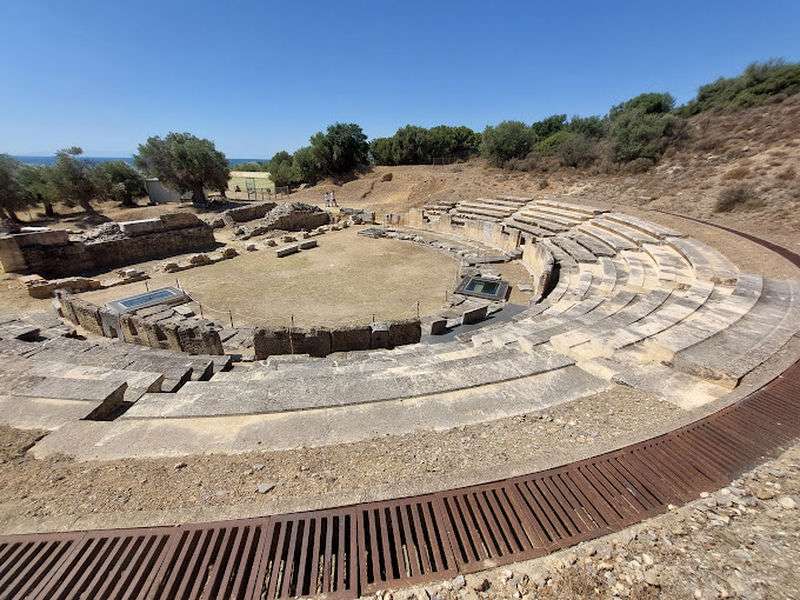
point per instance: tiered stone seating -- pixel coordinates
(488, 209)
(545, 218)
(634, 302)
(48, 380)
(438, 207)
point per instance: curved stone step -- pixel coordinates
(735, 351)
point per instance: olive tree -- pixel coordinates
(12, 195)
(36, 181)
(186, 163)
(72, 179)
(117, 180)
(341, 149)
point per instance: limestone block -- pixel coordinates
(347, 339)
(141, 227)
(287, 250)
(404, 332)
(475, 315)
(307, 244)
(379, 336)
(439, 327)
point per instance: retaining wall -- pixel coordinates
(156, 327)
(53, 254)
(323, 341)
(485, 232)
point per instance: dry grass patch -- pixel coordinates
(735, 196)
(740, 172)
(787, 174)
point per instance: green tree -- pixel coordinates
(411, 146)
(13, 196)
(36, 181)
(452, 142)
(341, 149)
(305, 165)
(185, 163)
(117, 180)
(281, 170)
(72, 180)
(507, 140)
(382, 151)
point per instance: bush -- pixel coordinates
(548, 126)
(413, 145)
(734, 196)
(643, 127)
(508, 140)
(758, 84)
(304, 166)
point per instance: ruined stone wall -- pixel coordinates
(323, 341)
(484, 232)
(53, 254)
(246, 213)
(156, 327)
(539, 262)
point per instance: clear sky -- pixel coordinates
(258, 76)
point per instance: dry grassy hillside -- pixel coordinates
(751, 158)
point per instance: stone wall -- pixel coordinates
(320, 342)
(55, 254)
(242, 214)
(156, 326)
(484, 232)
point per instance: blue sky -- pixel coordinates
(258, 76)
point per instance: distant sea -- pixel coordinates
(49, 160)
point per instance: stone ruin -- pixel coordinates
(57, 253)
(293, 216)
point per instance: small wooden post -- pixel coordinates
(230, 316)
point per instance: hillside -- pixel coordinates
(752, 155)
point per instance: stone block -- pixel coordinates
(475, 315)
(41, 237)
(287, 250)
(305, 245)
(347, 339)
(141, 227)
(379, 337)
(404, 332)
(439, 327)
(181, 220)
(88, 316)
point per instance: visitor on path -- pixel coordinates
(333, 199)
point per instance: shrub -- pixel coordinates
(758, 84)
(734, 196)
(643, 127)
(548, 126)
(590, 127)
(505, 141)
(304, 166)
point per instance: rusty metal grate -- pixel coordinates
(343, 552)
(308, 554)
(402, 542)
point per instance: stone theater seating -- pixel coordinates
(629, 302)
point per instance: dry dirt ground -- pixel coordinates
(347, 279)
